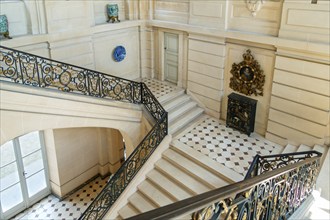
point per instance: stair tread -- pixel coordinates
(127, 211)
(224, 172)
(168, 185)
(319, 148)
(181, 177)
(186, 118)
(141, 203)
(194, 169)
(289, 149)
(154, 194)
(181, 110)
(170, 96)
(177, 101)
(303, 147)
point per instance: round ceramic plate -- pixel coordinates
(119, 53)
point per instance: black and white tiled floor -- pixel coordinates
(227, 146)
(158, 88)
(70, 208)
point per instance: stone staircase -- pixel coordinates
(182, 172)
(178, 175)
(181, 110)
(305, 209)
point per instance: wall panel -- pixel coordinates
(77, 51)
(205, 71)
(266, 21)
(302, 20)
(208, 13)
(104, 44)
(170, 10)
(300, 101)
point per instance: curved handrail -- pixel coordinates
(261, 196)
(28, 69)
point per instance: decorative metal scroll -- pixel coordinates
(31, 70)
(275, 198)
(248, 78)
(100, 206)
(28, 69)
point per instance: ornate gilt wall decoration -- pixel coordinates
(248, 78)
(254, 6)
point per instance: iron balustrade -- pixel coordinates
(274, 187)
(31, 70)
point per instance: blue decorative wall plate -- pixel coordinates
(119, 53)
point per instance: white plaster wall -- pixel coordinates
(100, 10)
(174, 11)
(68, 15)
(147, 52)
(77, 51)
(302, 20)
(24, 110)
(300, 102)
(104, 45)
(206, 63)
(76, 155)
(19, 21)
(208, 13)
(267, 20)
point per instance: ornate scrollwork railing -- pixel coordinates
(27, 69)
(274, 187)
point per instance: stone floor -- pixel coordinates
(70, 208)
(227, 146)
(159, 88)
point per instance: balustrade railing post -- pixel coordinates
(141, 92)
(20, 67)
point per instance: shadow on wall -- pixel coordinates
(76, 155)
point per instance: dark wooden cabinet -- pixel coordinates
(241, 113)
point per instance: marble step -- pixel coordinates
(181, 110)
(185, 119)
(196, 171)
(168, 186)
(320, 148)
(154, 194)
(303, 147)
(170, 96)
(177, 175)
(289, 149)
(208, 163)
(141, 203)
(180, 100)
(127, 211)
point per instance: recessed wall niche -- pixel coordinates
(266, 58)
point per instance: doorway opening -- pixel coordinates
(171, 55)
(24, 176)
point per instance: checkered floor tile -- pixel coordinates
(70, 208)
(158, 88)
(229, 147)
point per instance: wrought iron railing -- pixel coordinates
(28, 69)
(274, 187)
